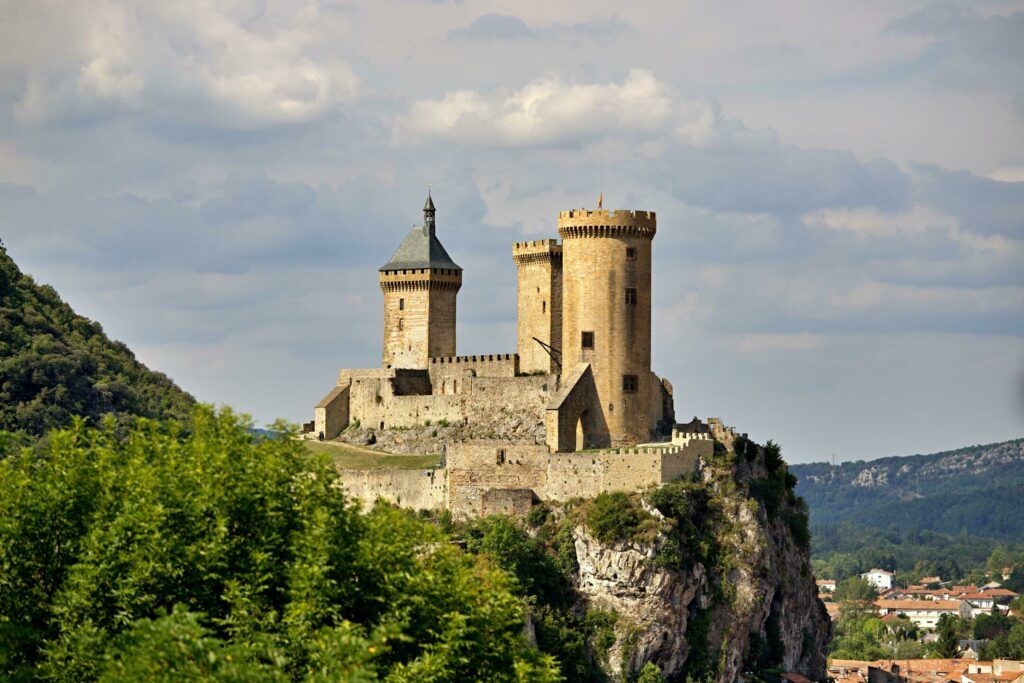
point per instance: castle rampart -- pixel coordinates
(485, 365)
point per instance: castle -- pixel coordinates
(582, 369)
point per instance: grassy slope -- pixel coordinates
(351, 457)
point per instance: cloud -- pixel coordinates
(509, 27)
(495, 26)
(547, 110)
(982, 205)
(189, 62)
(975, 49)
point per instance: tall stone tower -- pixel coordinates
(606, 316)
(540, 303)
(420, 284)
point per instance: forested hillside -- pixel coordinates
(949, 513)
(976, 490)
(55, 364)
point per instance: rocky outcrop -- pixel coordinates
(752, 604)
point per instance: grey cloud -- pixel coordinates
(782, 179)
(495, 26)
(984, 206)
(247, 195)
(510, 27)
(977, 50)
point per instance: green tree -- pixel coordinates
(650, 674)
(948, 644)
(211, 554)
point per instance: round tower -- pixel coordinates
(606, 317)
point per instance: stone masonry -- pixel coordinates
(582, 374)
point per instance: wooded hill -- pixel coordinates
(55, 364)
(976, 490)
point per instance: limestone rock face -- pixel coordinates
(764, 592)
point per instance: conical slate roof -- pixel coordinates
(420, 250)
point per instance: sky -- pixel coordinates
(839, 263)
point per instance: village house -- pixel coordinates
(926, 671)
(880, 578)
(925, 613)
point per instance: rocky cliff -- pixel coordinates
(708, 578)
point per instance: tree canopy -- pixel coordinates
(217, 555)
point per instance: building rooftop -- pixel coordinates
(421, 248)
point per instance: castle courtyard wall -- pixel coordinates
(413, 489)
(476, 469)
(466, 399)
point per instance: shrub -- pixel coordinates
(537, 515)
(615, 517)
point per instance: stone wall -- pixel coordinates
(413, 489)
(464, 399)
(512, 502)
(479, 467)
(485, 365)
(474, 468)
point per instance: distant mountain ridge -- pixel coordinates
(55, 364)
(978, 490)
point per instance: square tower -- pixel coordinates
(420, 283)
(539, 264)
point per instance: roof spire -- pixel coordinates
(428, 215)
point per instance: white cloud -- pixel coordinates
(191, 61)
(1008, 174)
(547, 110)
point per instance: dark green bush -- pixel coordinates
(615, 517)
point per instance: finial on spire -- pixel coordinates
(428, 215)
(600, 200)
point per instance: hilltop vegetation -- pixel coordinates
(952, 513)
(217, 555)
(55, 364)
(976, 489)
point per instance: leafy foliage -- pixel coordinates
(616, 517)
(219, 556)
(55, 364)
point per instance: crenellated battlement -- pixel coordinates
(537, 251)
(484, 365)
(535, 245)
(609, 214)
(579, 223)
(483, 358)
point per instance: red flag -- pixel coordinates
(600, 200)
